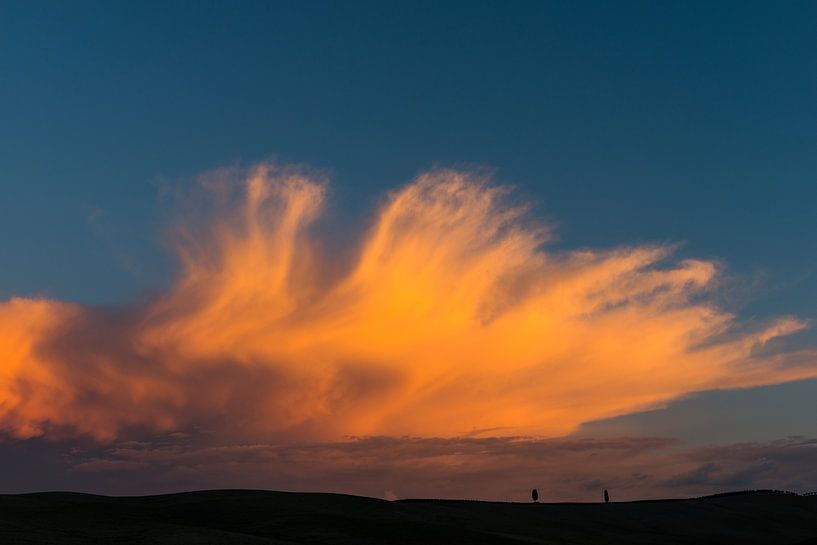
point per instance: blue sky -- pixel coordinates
(625, 123)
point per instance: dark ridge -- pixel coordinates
(717, 495)
(265, 517)
(744, 492)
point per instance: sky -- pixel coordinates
(335, 246)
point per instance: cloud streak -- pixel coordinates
(450, 318)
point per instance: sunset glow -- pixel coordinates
(451, 317)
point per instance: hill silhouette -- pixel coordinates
(261, 517)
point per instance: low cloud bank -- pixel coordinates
(499, 468)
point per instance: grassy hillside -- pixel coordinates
(256, 517)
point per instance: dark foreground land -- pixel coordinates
(256, 517)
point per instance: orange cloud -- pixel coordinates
(452, 319)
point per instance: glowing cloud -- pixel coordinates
(452, 319)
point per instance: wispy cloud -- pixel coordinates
(452, 317)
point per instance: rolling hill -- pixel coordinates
(261, 517)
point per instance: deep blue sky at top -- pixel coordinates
(626, 122)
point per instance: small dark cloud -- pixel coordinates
(697, 476)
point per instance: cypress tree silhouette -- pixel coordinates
(535, 495)
(606, 496)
